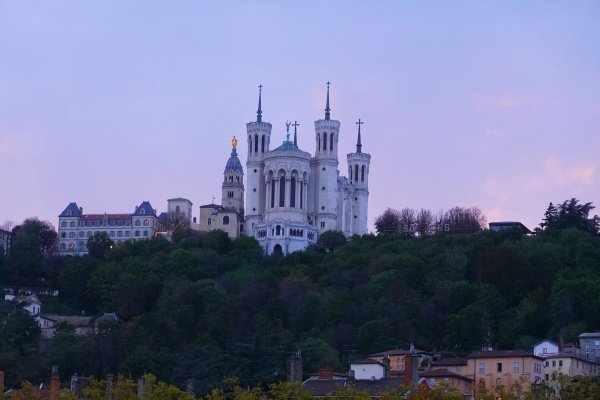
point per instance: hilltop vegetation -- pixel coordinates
(207, 307)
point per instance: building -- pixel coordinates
(509, 226)
(397, 357)
(293, 196)
(545, 348)
(515, 370)
(75, 227)
(229, 215)
(435, 377)
(562, 365)
(4, 241)
(589, 343)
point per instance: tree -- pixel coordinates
(466, 220)
(570, 214)
(388, 222)
(425, 222)
(99, 244)
(331, 240)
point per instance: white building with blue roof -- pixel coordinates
(292, 196)
(75, 227)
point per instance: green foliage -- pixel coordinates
(571, 214)
(331, 240)
(99, 244)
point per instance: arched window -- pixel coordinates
(362, 173)
(226, 220)
(263, 144)
(63, 224)
(301, 194)
(318, 141)
(137, 222)
(277, 250)
(250, 142)
(331, 143)
(356, 173)
(272, 193)
(72, 224)
(324, 142)
(293, 192)
(256, 143)
(277, 230)
(282, 191)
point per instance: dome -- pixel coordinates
(289, 148)
(234, 164)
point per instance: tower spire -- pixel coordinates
(327, 109)
(358, 143)
(259, 112)
(295, 125)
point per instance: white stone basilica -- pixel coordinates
(292, 197)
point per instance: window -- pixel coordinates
(137, 234)
(72, 224)
(560, 363)
(273, 193)
(331, 143)
(362, 173)
(145, 233)
(143, 211)
(119, 233)
(256, 143)
(127, 233)
(322, 224)
(499, 367)
(481, 368)
(209, 221)
(356, 173)
(146, 222)
(547, 363)
(458, 369)
(63, 246)
(88, 234)
(111, 234)
(282, 191)
(324, 142)
(63, 235)
(293, 192)
(177, 210)
(81, 234)
(72, 234)
(226, 220)
(63, 224)
(138, 222)
(262, 144)
(516, 366)
(301, 194)
(69, 213)
(546, 376)
(554, 363)
(498, 381)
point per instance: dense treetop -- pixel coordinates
(207, 307)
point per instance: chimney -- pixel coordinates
(386, 362)
(54, 383)
(325, 373)
(410, 369)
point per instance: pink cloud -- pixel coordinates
(558, 174)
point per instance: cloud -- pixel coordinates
(559, 174)
(494, 189)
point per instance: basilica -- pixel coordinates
(291, 195)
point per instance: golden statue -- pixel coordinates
(234, 142)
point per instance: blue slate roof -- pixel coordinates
(234, 164)
(162, 218)
(74, 211)
(144, 209)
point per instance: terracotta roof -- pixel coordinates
(449, 362)
(501, 353)
(435, 373)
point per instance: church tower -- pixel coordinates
(259, 138)
(324, 171)
(233, 183)
(358, 174)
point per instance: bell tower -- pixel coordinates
(358, 174)
(233, 182)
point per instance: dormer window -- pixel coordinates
(69, 213)
(142, 211)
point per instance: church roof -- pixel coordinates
(234, 164)
(290, 148)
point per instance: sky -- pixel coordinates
(467, 103)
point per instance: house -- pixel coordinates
(397, 359)
(515, 370)
(435, 377)
(327, 381)
(545, 348)
(589, 343)
(368, 369)
(80, 324)
(457, 365)
(30, 303)
(566, 364)
(106, 321)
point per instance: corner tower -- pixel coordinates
(324, 171)
(233, 183)
(358, 174)
(259, 138)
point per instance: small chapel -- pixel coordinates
(291, 195)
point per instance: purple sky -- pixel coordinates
(488, 104)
